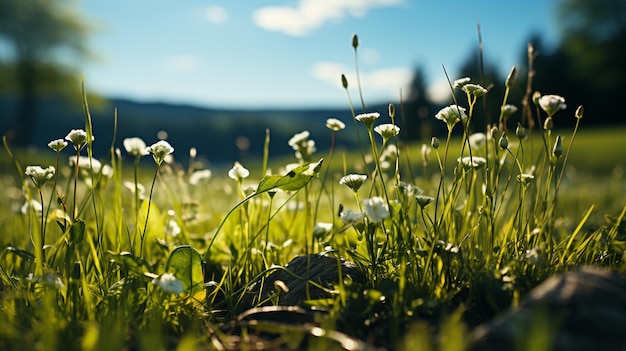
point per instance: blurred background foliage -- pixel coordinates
(40, 97)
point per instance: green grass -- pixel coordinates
(444, 245)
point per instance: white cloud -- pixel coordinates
(216, 14)
(439, 91)
(182, 63)
(309, 15)
(385, 79)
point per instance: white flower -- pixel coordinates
(172, 228)
(92, 165)
(552, 104)
(313, 169)
(353, 181)
(452, 115)
(474, 89)
(135, 146)
(39, 175)
(461, 82)
(78, 138)
(322, 228)
(367, 118)
(140, 188)
(508, 110)
(57, 145)
(387, 130)
(351, 217)
(424, 200)
(169, 283)
(525, 178)
(238, 172)
(299, 140)
(376, 208)
(477, 140)
(34, 204)
(472, 162)
(159, 150)
(334, 124)
(199, 176)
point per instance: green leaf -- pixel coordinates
(185, 263)
(130, 262)
(295, 179)
(77, 231)
(26, 255)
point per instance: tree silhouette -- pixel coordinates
(37, 30)
(594, 38)
(417, 109)
(486, 74)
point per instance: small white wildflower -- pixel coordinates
(49, 280)
(387, 130)
(169, 283)
(199, 176)
(461, 82)
(376, 208)
(552, 104)
(313, 169)
(525, 179)
(78, 138)
(334, 124)
(508, 110)
(351, 217)
(423, 200)
(57, 145)
(238, 172)
(140, 188)
(34, 204)
(353, 181)
(451, 115)
(534, 256)
(172, 228)
(160, 150)
(474, 89)
(472, 162)
(367, 118)
(321, 229)
(135, 146)
(477, 140)
(39, 175)
(299, 139)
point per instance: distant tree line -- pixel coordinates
(586, 67)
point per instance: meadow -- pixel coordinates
(102, 253)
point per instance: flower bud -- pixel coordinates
(344, 81)
(392, 111)
(504, 141)
(536, 96)
(434, 142)
(510, 80)
(520, 131)
(579, 112)
(355, 41)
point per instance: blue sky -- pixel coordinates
(291, 53)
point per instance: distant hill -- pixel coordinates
(213, 132)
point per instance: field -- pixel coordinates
(106, 254)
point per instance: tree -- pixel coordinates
(487, 108)
(37, 30)
(416, 109)
(594, 37)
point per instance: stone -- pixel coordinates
(580, 310)
(291, 285)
